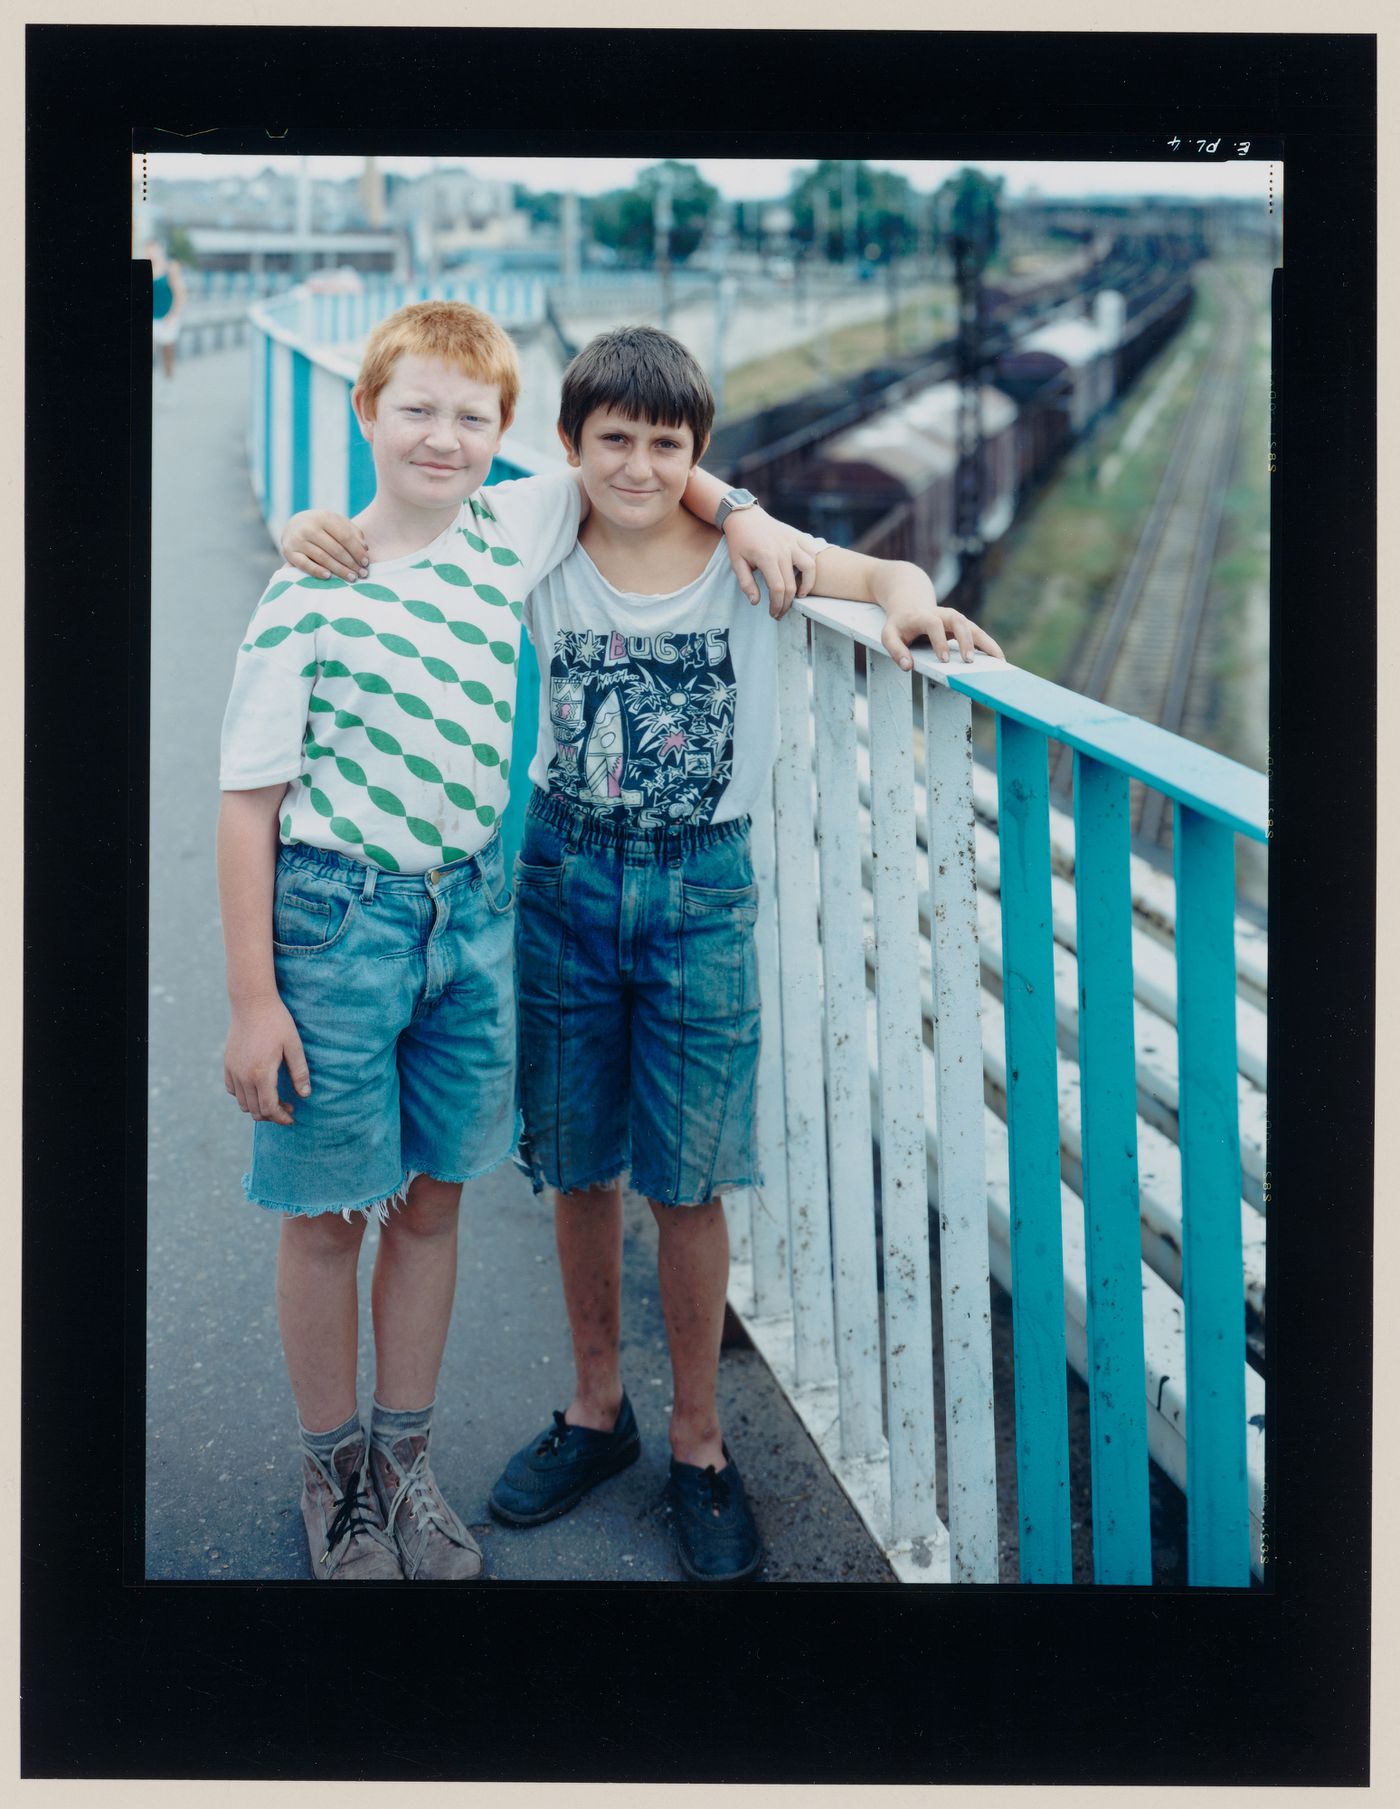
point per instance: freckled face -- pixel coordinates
(635, 472)
(433, 434)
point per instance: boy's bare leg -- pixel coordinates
(588, 1236)
(693, 1268)
(415, 1277)
(318, 1311)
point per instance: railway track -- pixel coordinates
(1144, 654)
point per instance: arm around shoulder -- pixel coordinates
(325, 545)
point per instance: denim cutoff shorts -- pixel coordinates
(401, 987)
(639, 1014)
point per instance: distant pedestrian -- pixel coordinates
(168, 297)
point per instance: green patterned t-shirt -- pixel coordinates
(388, 706)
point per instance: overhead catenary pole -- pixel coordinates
(850, 212)
(724, 296)
(967, 519)
(973, 222)
(661, 227)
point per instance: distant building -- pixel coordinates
(283, 255)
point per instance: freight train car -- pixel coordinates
(889, 485)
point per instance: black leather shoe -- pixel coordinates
(558, 1467)
(716, 1539)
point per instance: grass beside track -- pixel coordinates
(924, 317)
(1061, 561)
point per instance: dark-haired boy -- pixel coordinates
(636, 973)
(367, 923)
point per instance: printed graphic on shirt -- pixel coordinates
(643, 723)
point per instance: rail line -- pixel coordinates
(1143, 655)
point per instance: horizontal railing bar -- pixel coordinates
(1154, 892)
(1154, 965)
(1155, 1047)
(1159, 1158)
(1190, 774)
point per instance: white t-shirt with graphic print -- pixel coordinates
(661, 707)
(387, 705)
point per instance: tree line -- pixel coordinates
(835, 210)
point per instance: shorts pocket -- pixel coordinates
(309, 915)
(500, 896)
(742, 901)
(530, 873)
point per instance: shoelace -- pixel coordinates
(555, 1437)
(349, 1517)
(718, 1487)
(418, 1488)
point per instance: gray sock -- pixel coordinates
(388, 1425)
(322, 1444)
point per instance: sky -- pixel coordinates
(750, 179)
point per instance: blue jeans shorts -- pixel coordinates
(401, 987)
(638, 989)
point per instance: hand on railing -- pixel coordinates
(914, 621)
(905, 593)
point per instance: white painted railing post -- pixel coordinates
(903, 1164)
(804, 1114)
(769, 1203)
(847, 1058)
(962, 1165)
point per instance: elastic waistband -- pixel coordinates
(363, 877)
(591, 829)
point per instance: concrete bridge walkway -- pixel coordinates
(222, 1473)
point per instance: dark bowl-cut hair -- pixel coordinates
(644, 374)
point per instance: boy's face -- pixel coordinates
(635, 472)
(433, 434)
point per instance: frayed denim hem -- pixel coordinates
(475, 1174)
(716, 1189)
(377, 1209)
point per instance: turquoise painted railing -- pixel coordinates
(807, 1246)
(1214, 799)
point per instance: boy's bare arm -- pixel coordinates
(756, 542)
(906, 595)
(261, 1033)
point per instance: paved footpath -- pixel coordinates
(222, 1475)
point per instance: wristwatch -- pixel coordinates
(732, 500)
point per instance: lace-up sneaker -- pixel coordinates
(716, 1539)
(433, 1545)
(345, 1531)
(558, 1467)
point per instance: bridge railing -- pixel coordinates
(812, 1267)
(874, 940)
